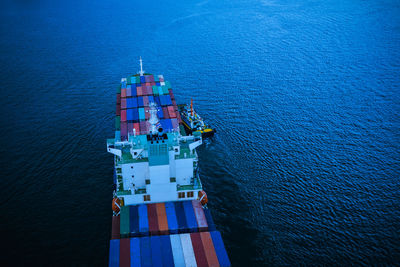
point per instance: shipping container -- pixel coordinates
(145, 250)
(123, 103)
(146, 101)
(123, 93)
(134, 90)
(151, 99)
(171, 112)
(158, 84)
(143, 220)
(129, 114)
(130, 127)
(160, 113)
(143, 127)
(156, 256)
(187, 249)
(135, 251)
(171, 217)
(189, 215)
(139, 91)
(118, 110)
(140, 101)
(198, 249)
(115, 227)
(200, 217)
(163, 100)
(113, 260)
(123, 115)
(131, 102)
(165, 90)
(152, 216)
(177, 252)
(128, 92)
(142, 79)
(117, 135)
(160, 90)
(151, 78)
(135, 114)
(133, 221)
(220, 249)
(118, 98)
(157, 99)
(166, 251)
(142, 115)
(162, 219)
(168, 100)
(124, 130)
(209, 249)
(147, 113)
(124, 222)
(180, 216)
(210, 221)
(155, 90)
(136, 126)
(117, 122)
(165, 112)
(124, 252)
(175, 124)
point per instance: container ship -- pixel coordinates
(160, 214)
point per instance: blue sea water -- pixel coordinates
(305, 95)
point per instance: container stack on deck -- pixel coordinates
(133, 99)
(179, 233)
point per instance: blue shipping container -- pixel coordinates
(168, 100)
(145, 251)
(157, 99)
(180, 216)
(142, 79)
(114, 253)
(210, 221)
(166, 251)
(163, 100)
(131, 102)
(118, 135)
(143, 220)
(140, 101)
(151, 99)
(171, 217)
(135, 114)
(156, 257)
(133, 220)
(160, 91)
(190, 216)
(135, 252)
(220, 249)
(129, 114)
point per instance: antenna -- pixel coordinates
(141, 72)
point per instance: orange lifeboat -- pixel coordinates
(116, 204)
(203, 197)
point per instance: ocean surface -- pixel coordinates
(305, 96)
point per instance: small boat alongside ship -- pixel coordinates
(160, 214)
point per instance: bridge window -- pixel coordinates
(181, 195)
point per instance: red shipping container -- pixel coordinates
(209, 249)
(147, 83)
(118, 98)
(123, 116)
(136, 126)
(115, 227)
(128, 92)
(146, 101)
(130, 128)
(198, 249)
(125, 252)
(171, 112)
(147, 113)
(139, 91)
(118, 111)
(152, 218)
(162, 219)
(123, 92)
(152, 83)
(123, 103)
(165, 112)
(200, 217)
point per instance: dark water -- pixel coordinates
(305, 96)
